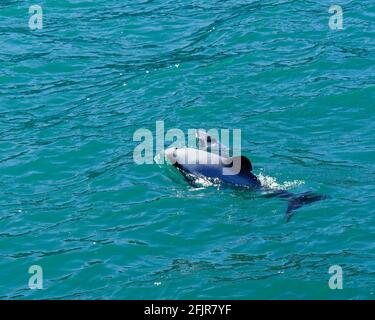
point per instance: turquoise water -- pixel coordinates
(74, 202)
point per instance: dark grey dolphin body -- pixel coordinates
(235, 176)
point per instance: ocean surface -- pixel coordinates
(74, 202)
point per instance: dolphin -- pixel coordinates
(232, 171)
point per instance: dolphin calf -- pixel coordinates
(233, 171)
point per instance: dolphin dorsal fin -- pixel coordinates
(245, 163)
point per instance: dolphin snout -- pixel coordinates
(171, 155)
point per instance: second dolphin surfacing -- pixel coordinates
(236, 172)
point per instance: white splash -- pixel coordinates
(205, 183)
(271, 183)
(159, 158)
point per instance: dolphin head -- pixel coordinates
(192, 156)
(181, 156)
(171, 155)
